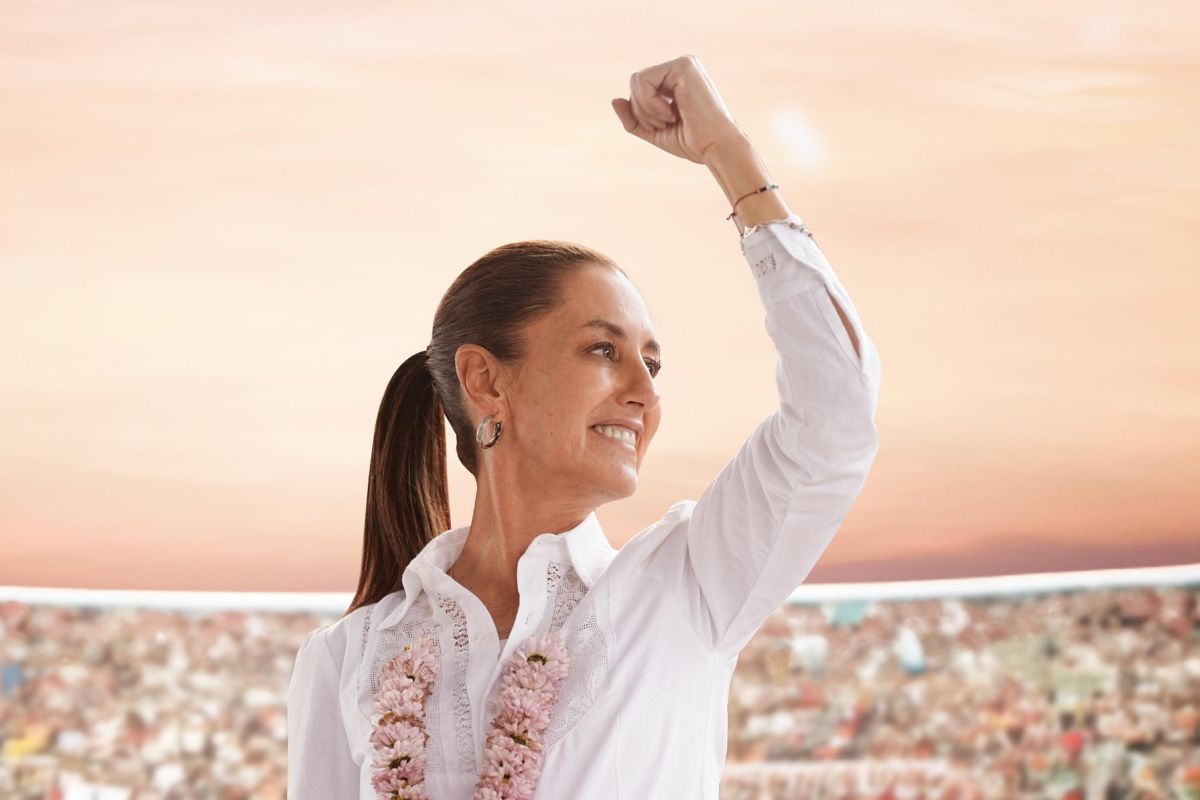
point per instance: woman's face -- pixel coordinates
(579, 372)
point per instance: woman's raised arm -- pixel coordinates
(733, 557)
(764, 521)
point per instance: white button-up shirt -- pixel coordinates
(653, 630)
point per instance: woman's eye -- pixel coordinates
(653, 364)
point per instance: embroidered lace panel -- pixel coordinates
(587, 669)
(420, 620)
(367, 628)
(462, 700)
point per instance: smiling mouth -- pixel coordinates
(618, 442)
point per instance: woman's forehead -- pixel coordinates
(607, 294)
(608, 309)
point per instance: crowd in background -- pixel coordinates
(1073, 695)
(1083, 695)
(128, 704)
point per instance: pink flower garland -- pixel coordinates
(399, 735)
(515, 743)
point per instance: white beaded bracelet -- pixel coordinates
(800, 226)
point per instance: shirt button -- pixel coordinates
(479, 637)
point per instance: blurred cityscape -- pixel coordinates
(1080, 693)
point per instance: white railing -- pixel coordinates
(336, 602)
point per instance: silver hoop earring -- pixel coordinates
(495, 432)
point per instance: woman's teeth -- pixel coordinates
(617, 432)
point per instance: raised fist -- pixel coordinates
(675, 107)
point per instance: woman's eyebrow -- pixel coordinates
(619, 332)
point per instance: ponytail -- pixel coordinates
(408, 498)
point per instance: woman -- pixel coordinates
(543, 359)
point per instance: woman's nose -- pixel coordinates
(644, 388)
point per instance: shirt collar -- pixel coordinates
(584, 546)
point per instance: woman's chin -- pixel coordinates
(618, 482)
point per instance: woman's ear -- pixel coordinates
(481, 376)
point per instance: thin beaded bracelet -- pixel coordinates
(800, 226)
(747, 194)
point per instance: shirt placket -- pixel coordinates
(486, 662)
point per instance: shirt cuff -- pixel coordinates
(784, 259)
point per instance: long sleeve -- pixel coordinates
(320, 766)
(764, 521)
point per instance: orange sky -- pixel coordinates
(222, 228)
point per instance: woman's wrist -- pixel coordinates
(739, 170)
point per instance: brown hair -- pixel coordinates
(488, 304)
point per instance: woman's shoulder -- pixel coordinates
(651, 537)
(346, 637)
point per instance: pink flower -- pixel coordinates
(400, 704)
(397, 733)
(402, 760)
(525, 703)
